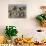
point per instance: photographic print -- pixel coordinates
(16, 11)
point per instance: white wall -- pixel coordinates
(26, 26)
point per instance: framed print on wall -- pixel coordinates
(16, 11)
